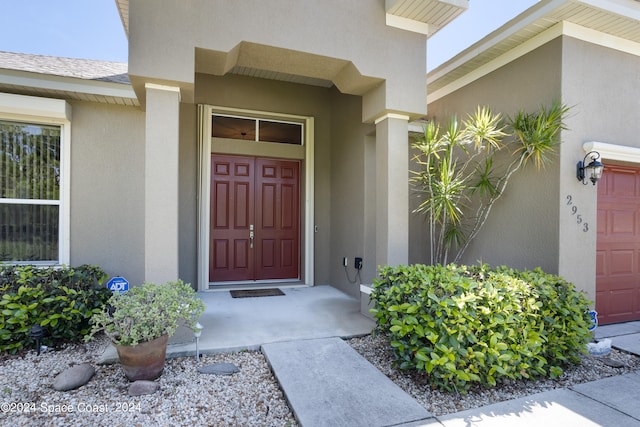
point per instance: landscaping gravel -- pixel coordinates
(378, 352)
(250, 397)
(185, 397)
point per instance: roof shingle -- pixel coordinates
(86, 69)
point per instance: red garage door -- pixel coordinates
(618, 245)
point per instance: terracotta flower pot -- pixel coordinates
(144, 361)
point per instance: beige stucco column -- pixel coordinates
(161, 183)
(392, 190)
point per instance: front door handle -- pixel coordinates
(251, 236)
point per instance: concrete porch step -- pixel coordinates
(327, 383)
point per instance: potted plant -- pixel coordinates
(139, 322)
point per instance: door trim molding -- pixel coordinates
(204, 186)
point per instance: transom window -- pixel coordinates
(30, 168)
(257, 129)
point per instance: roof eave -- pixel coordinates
(533, 27)
(69, 87)
(422, 16)
(123, 11)
(526, 18)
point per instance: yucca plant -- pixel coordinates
(462, 174)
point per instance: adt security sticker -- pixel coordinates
(118, 284)
(593, 315)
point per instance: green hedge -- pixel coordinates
(476, 325)
(62, 300)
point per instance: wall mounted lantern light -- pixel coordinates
(592, 171)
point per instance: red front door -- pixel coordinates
(618, 245)
(255, 219)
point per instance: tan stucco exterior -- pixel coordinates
(282, 97)
(107, 189)
(533, 224)
(111, 184)
(522, 230)
(607, 112)
(345, 42)
(352, 71)
(338, 71)
(356, 81)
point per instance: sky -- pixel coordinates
(482, 17)
(91, 29)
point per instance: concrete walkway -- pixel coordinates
(327, 383)
(624, 336)
(235, 324)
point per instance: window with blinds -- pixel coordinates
(29, 192)
(256, 129)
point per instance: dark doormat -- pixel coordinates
(252, 293)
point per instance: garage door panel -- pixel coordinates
(622, 222)
(621, 262)
(603, 221)
(621, 284)
(619, 304)
(617, 260)
(623, 182)
(601, 264)
(618, 245)
(623, 300)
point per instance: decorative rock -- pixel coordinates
(140, 387)
(611, 362)
(219, 369)
(601, 348)
(74, 377)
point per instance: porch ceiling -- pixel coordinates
(284, 77)
(619, 18)
(252, 59)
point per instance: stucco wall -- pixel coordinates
(337, 40)
(348, 195)
(108, 171)
(107, 189)
(339, 144)
(534, 224)
(188, 194)
(522, 230)
(603, 86)
(280, 97)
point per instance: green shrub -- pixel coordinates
(147, 312)
(62, 300)
(475, 325)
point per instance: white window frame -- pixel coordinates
(56, 112)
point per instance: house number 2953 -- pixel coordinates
(578, 216)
